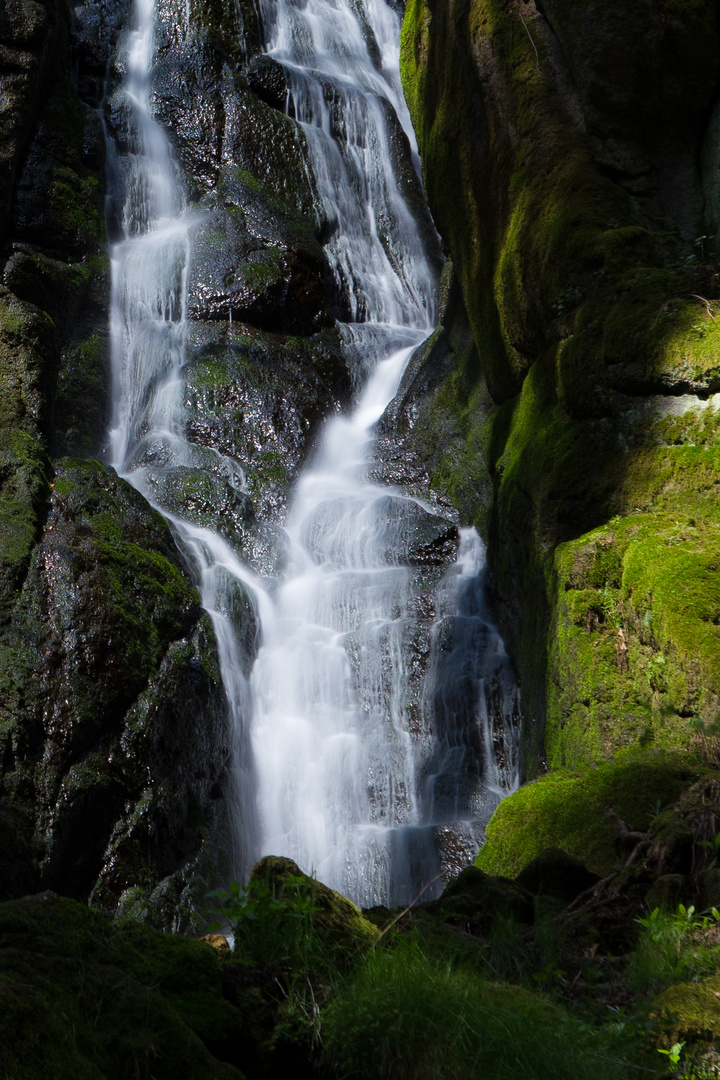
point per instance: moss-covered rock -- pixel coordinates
(474, 900)
(335, 917)
(113, 715)
(81, 997)
(556, 874)
(635, 648)
(690, 1013)
(581, 811)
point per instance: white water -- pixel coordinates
(346, 765)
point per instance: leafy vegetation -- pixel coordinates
(673, 947)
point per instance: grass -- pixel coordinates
(406, 1016)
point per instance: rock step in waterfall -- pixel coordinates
(375, 730)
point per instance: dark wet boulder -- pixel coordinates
(473, 900)
(267, 79)
(261, 400)
(256, 260)
(555, 873)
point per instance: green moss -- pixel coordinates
(690, 1013)
(635, 641)
(573, 295)
(578, 811)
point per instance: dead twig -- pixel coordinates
(527, 31)
(696, 296)
(412, 904)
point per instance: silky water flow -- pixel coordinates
(345, 757)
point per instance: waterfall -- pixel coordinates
(344, 758)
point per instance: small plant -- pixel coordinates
(684, 1066)
(611, 608)
(272, 924)
(674, 1053)
(714, 847)
(674, 947)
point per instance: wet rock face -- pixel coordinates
(260, 399)
(255, 260)
(264, 365)
(113, 713)
(645, 95)
(571, 161)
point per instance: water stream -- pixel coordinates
(346, 757)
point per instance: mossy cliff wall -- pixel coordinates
(570, 151)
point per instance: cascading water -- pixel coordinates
(348, 766)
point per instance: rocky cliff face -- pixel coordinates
(111, 709)
(571, 162)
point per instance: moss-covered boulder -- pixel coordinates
(335, 918)
(556, 874)
(474, 900)
(571, 192)
(635, 652)
(689, 1013)
(587, 813)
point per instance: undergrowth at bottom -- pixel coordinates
(406, 1016)
(397, 1004)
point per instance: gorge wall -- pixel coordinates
(570, 154)
(566, 403)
